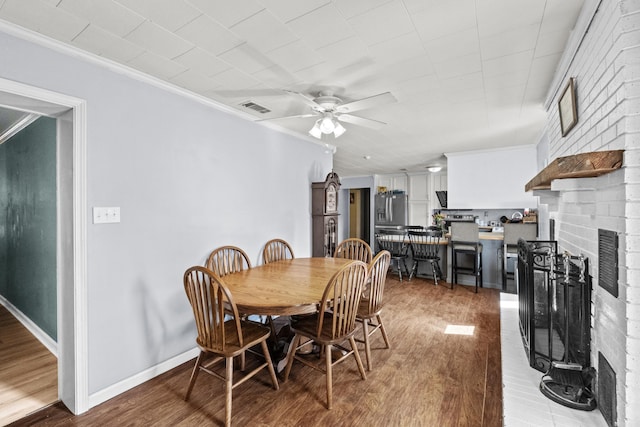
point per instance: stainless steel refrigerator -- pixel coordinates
(391, 210)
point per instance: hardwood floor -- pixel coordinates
(427, 378)
(28, 371)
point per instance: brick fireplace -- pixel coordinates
(603, 55)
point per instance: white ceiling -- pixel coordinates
(467, 74)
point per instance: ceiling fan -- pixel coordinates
(331, 110)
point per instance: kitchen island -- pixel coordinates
(491, 261)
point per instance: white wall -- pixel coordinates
(188, 178)
(491, 179)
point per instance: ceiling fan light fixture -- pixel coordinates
(315, 130)
(327, 125)
(339, 130)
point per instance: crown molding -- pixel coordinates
(116, 67)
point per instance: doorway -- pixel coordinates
(360, 213)
(28, 285)
(71, 231)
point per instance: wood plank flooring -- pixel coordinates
(427, 378)
(28, 371)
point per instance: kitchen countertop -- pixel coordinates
(483, 235)
(486, 235)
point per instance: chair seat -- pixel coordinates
(252, 334)
(308, 327)
(467, 248)
(363, 309)
(427, 258)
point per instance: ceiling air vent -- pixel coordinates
(255, 107)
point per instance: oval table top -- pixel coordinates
(283, 288)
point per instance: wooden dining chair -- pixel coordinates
(371, 303)
(333, 324)
(353, 248)
(228, 259)
(221, 337)
(276, 250)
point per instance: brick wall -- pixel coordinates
(606, 67)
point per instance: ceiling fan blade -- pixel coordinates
(307, 100)
(361, 121)
(288, 117)
(370, 102)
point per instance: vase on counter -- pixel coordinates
(438, 221)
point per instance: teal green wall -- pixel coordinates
(28, 223)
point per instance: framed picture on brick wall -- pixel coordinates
(567, 107)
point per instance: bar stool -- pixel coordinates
(465, 241)
(512, 233)
(394, 241)
(425, 247)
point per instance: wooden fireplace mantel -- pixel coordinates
(584, 165)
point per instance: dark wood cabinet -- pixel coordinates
(324, 209)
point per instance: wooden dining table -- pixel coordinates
(283, 288)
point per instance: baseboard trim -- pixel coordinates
(34, 329)
(141, 377)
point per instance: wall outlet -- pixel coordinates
(106, 215)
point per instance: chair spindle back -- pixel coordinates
(342, 295)
(228, 259)
(276, 250)
(210, 300)
(353, 248)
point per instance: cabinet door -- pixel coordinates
(400, 182)
(419, 213)
(385, 181)
(419, 187)
(439, 181)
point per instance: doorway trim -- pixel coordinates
(71, 223)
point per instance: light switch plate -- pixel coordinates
(106, 215)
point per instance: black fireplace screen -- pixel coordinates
(545, 280)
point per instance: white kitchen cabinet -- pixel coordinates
(419, 185)
(419, 199)
(384, 181)
(419, 213)
(392, 182)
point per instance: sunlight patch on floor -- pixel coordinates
(459, 330)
